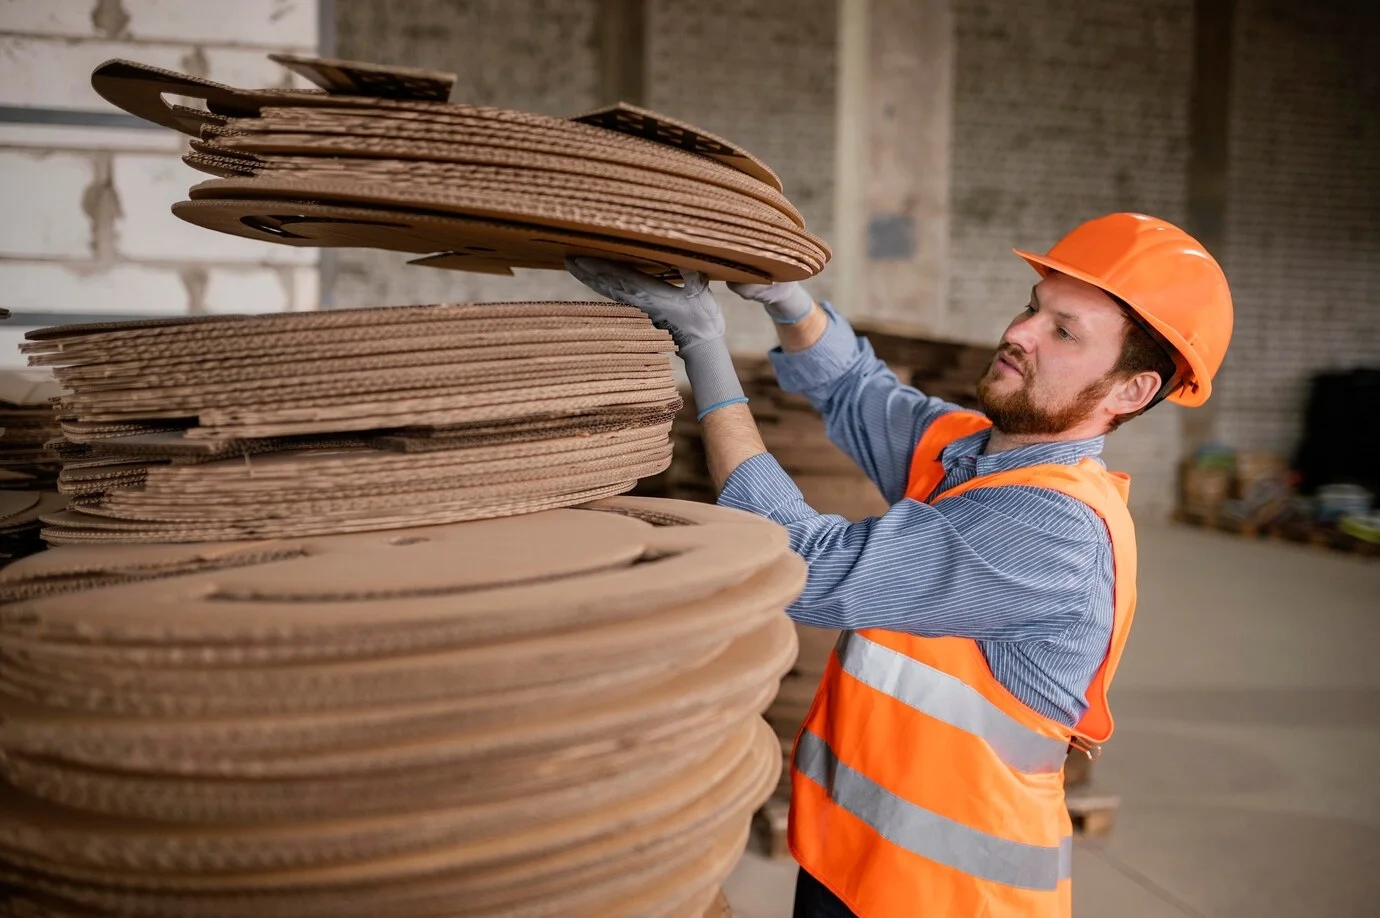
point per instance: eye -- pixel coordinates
(1064, 333)
(1029, 309)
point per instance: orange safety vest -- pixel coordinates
(919, 784)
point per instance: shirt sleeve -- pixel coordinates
(1011, 563)
(868, 413)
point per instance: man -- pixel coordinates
(985, 612)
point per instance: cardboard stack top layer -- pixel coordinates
(295, 424)
(28, 469)
(378, 158)
(549, 714)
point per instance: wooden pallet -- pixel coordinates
(1309, 533)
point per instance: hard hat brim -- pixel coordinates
(1193, 391)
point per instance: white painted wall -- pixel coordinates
(87, 224)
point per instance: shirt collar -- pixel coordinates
(969, 450)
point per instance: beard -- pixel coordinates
(1017, 412)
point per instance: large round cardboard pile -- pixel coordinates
(381, 163)
(553, 714)
(236, 427)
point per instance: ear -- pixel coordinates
(1132, 394)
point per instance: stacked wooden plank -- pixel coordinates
(555, 713)
(235, 427)
(379, 159)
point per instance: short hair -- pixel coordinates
(1141, 352)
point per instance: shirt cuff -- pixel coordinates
(822, 362)
(761, 486)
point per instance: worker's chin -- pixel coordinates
(998, 385)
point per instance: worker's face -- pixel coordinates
(1053, 368)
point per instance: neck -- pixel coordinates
(1001, 441)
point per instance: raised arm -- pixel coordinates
(868, 412)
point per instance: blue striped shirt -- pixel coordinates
(1024, 571)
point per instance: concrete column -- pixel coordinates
(1209, 125)
(622, 37)
(895, 136)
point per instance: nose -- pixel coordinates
(1020, 334)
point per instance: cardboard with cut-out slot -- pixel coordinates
(570, 727)
(469, 187)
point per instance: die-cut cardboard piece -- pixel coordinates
(511, 382)
(446, 240)
(514, 804)
(354, 78)
(640, 122)
(530, 214)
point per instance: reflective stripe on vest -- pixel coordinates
(928, 834)
(949, 699)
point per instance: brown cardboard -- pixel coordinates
(658, 220)
(630, 119)
(505, 189)
(253, 147)
(544, 405)
(453, 238)
(360, 79)
(555, 731)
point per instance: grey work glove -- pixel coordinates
(689, 313)
(787, 304)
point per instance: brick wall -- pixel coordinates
(533, 55)
(762, 73)
(88, 228)
(757, 71)
(1065, 110)
(1303, 214)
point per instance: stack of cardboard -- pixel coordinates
(298, 424)
(555, 713)
(378, 159)
(28, 468)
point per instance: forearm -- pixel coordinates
(805, 333)
(730, 439)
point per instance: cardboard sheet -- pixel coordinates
(555, 714)
(377, 160)
(290, 425)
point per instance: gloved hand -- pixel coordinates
(689, 313)
(787, 304)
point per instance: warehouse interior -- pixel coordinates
(919, 142)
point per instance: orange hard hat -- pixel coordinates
(1166, 277)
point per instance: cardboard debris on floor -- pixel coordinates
(28, 468)
(298, 424)
(379, 159)
(557, 711)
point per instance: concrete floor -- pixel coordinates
(1247, 752)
